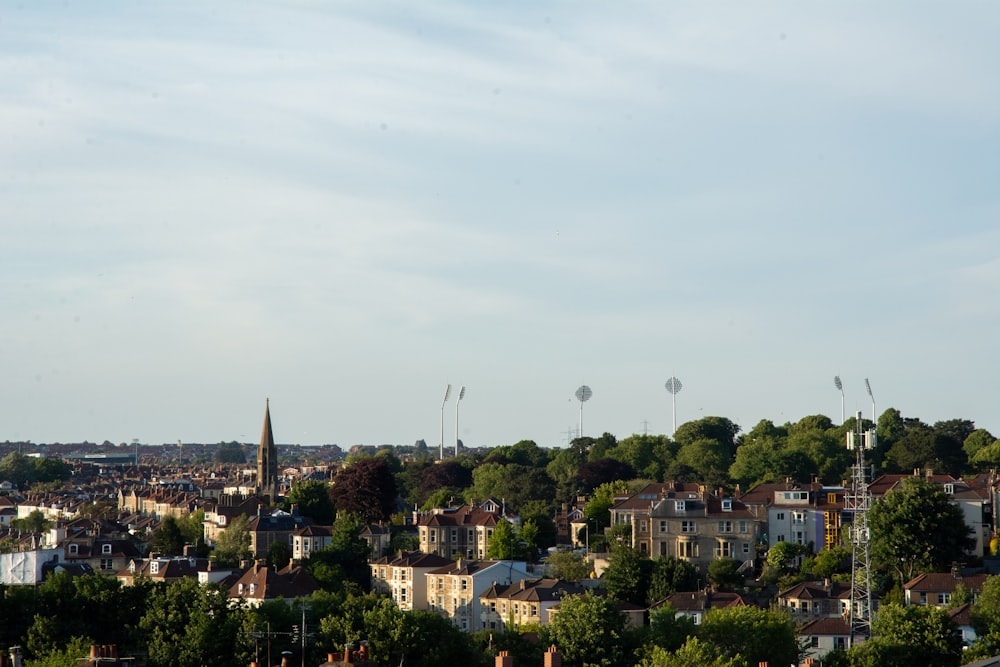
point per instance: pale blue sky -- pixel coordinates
(345, 206)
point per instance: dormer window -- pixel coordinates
(74, 549)
(680, 505)
(949, 489)
(105, 548)
(727, 505)
(154, 567)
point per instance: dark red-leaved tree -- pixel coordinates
(366, 488)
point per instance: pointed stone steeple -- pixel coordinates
(267, 460)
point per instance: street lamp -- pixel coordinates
(840, 386)
(447, 393)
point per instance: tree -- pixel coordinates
(648, 455)
(568, 565)
(311, 497)
(343, 564)
(167, 540)
(230, 452)
(669, 630)
(448, 476)
(506, 543)
(693, 653)
(233, 544)
(977, 440)
(627, 575)
(367, 488)
(758, 635)
(910, 635)
(916, 528)
(35, 522)
(19, 469)
(601, 471)
(671, 575)
(513, 483)
(598, 509)
(720, 429)
(588, 630)
(724, 574)
(710, 459)
(985, 612)
(189, 625)
(50, 469)
(279, 555)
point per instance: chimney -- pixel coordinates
(504, 659)
(552, 657)
(15, 656)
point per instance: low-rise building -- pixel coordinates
(454, 590)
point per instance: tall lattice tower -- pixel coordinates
(857, 503)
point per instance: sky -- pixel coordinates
(345, 207)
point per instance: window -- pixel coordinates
(814, 641)
(727, 505)
(949, 489)
(746, 547)
(465, 584)
(725, 526)
(688, 526)
(105, 548)
(780, 516)
(724, 550)
(840, 642)
(686, 549)
(454, 537)
(680, 505)
(402, 594)
(831, 498)
(944, 598)
(781, 538)
(798, 517)
(663, 526)
(433, 536)
(663, 548)
(642, 526)
(743, 526)
(107, 564)
(154, 567)
(74, 549)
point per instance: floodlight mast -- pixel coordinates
(840, 387)
(447, 393)
(673, 385)
(583, 395)
(461, 395)
(868, 388)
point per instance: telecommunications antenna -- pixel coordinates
(583, 395)
(673, 385)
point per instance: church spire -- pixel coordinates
(267, 459)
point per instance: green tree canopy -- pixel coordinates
(588, 630)
(311, 497)
(233, 544)
(757, 635)
(671, 575)
(910, 635)
(189, 625)
(693, 653)
(568, 565)
(167, 540)
(916, 528)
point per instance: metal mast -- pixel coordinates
(857, 503)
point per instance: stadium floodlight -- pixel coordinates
(868, 388)
(461, 395)
(447, 393)
(673, 385)
(840, 387)
(583, 394)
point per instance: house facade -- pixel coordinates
(454, 590)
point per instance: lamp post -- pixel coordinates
(447, 393)
(458, 400)
(840, 387)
